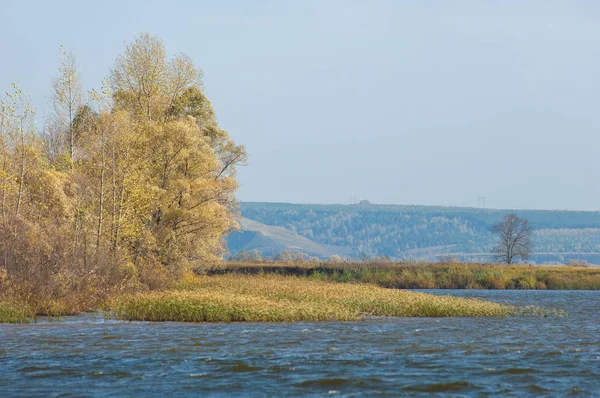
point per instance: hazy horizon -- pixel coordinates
(394, 102)
(416, 205)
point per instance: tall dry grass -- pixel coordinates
(431, 276)
(273, 298)
(13, 312)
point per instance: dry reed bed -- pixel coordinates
(272, 298)
(432, 276)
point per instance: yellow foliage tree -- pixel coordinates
(189, 161)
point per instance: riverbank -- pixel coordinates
(429, 275)
(279, 292)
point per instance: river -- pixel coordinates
(89, 356)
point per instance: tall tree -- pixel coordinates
(68, 101)
(6, 112)
(514, 234)
(139, 77)
(25, 140)
(189, 161)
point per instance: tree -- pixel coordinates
(335, 259)
(6, 179)
(186, 161)
(251, 256)
(19, 142)
(67, 101)
(515, 238)
(291, 256)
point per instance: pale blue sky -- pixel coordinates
(405, 102)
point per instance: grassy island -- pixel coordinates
(273, 298)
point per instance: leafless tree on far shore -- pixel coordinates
(515, 238)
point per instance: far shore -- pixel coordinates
(421, 275)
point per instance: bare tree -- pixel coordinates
(515, 238)
(68, 100)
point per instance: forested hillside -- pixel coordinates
(427, 231)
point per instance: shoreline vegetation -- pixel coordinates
(14, 312)
(420, 275)
(276, 298)
(294, 292)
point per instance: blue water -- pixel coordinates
(87, 356)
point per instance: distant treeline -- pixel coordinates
(404, 231)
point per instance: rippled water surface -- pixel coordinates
(86, 356)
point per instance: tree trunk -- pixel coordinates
(4, 173)
(21, 174)
(101, 204)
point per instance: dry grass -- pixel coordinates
(272, 298)
(433, 276)
(276, 292)
(11, 312)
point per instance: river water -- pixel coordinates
(87, 356)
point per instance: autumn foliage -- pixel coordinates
(123, 191)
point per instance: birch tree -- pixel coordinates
(67, 101)
(6, 112)
(24, 137)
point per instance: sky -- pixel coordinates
(396, 102)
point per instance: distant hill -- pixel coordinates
(271, 240)
(428, 232)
